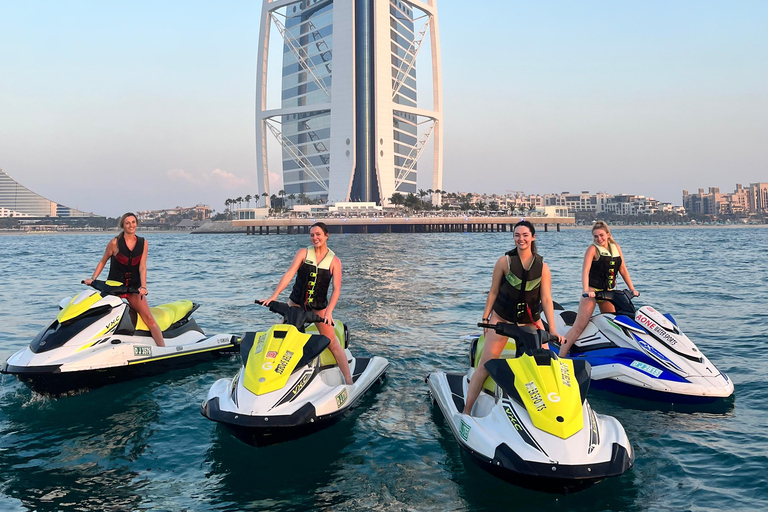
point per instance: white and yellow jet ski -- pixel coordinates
(289, 384)
(97, 339)
(531, 424)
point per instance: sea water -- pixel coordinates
(143, 445)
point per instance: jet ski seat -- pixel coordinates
(326, 357)
(167, 314)
(509, 351)
(568, 317)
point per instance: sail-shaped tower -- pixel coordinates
(349, 122)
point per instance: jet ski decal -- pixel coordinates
(520, 428)
(655, 353)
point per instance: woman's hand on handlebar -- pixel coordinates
(87, 282)
(590, 294)
(266, 302)
(635, 293)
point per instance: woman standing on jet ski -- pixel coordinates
(602, 261)
(521, 286)
(317, 266)
(128, 265)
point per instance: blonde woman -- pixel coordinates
(127, 255)
(602, 262)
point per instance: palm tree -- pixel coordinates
(265, 196)
(281, 193)
(226, 205)
(397, 199)
(292, 197)
(239, 201)
(422, 193)
(303, 198)
(248, 200)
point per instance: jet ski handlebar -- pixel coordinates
(293, 315)
(107, 289)
(524, 338)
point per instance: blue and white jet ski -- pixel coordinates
(644, 354)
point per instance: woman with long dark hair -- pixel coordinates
(127, 255)
(316, 268)
(520, 289)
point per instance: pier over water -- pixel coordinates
(460, 224)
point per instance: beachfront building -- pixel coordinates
(18, 201)
(349, 123)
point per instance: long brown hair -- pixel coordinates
(527, 224)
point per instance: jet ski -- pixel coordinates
(289, 384)
(643, 354)
(97, 339)
(531, 424)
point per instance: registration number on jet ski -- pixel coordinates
(142, 351)
(650, 370)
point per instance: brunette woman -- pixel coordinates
(315, 268)
(520, 289)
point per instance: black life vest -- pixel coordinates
(602, 273)
(519, 298)
(124, 266)
(313, 280)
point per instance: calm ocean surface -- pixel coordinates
(143, 445)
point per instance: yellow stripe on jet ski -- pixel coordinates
(182, 353)
(73, 310)
(550, 393)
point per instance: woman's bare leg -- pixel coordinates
(140, 305)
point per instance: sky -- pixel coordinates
(117, 106)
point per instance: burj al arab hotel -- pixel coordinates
(348, 123)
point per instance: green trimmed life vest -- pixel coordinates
(519, 298)
(313, 280)
(602, 273)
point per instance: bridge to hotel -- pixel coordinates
(461, 224)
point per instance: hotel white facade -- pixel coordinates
(349, 123)
(18, 201)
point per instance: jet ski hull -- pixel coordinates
(56, 379)
(321, 405)
(510, 448)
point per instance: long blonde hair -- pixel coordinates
(604, 226)
(122, 222)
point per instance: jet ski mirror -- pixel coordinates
(621, 299)
(293, 315)
(107, 289)
(525, 341)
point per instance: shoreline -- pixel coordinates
(234, 230)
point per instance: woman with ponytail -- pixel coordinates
(602, 262)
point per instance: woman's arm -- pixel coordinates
(498, 275)
(336, 276)
(108, 253)
(625, 273)
(589, 257)
(143, 270)
(546, 301)
(301, 255)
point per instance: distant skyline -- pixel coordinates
(112, 107)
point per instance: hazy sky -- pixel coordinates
(116, 106)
